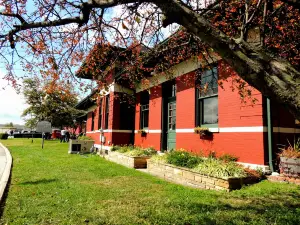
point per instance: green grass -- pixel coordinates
(50, 186)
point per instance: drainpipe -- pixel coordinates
(270, 134)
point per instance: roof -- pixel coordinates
(87, 101)
(109, 52)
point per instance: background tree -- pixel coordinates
(9, 125)
(55, 106)
(46, 28)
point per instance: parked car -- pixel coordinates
(55, 134)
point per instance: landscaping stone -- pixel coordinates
(129, 161)
(284, 179)
(193, 179)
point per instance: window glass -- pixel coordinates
(210, 110)
(207, 97)
(144, 115)
(107, 111)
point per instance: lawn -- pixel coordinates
(49, 186)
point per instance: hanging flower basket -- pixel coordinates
(203, 131)
(142, 132)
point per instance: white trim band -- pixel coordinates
(264, 168)
(191, 130)
(258, 129)
(149, 131)
(241, 129)
(102, 147)
(109, 131)
(286, 130)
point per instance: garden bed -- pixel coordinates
(137, 162)
(130, 156)
(193, 179)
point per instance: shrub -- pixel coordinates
(115, 148)
(228, 158)
(85, 138)
(3, 136)
(183, 159)
(217, 168)
(256, 174)
(159, 158)
(137, 151)
(292, 151)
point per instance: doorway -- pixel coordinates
(169, 116)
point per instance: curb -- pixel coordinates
(6, 173)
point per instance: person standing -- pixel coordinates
(67, 136)
(63, 135)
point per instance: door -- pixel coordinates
(171, 132)
(168, 117)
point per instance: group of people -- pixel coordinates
(64, 136)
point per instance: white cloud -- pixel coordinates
(11, 103)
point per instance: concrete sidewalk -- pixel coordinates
(5, 168)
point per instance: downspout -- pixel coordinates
(133, 122)
(270, 134)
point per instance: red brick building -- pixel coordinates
(169, 110)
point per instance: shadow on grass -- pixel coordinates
(42, 181)
(262, 210)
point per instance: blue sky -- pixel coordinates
(13, 104)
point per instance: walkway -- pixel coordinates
(5, 168)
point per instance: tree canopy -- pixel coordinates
(9, 124)
(49, 38)
(57, 106)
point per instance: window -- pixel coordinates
(93, 117)
(174, 90)
(207, 98)
(106, 112)
(100, 114)
(144, 119)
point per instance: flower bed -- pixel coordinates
(130, 156)
(198, 172)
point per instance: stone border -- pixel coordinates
(284, 179)
(193, 179)
(137, 162)
(6, 172)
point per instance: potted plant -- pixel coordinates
(203, 131)
(290, 159)
(142, 132)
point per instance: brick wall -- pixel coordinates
(155, 102)
(111, 138)
(249, 147)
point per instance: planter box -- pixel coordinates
(80, 146)
(189, 178)
(129, 161)
(290, 166)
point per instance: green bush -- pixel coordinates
(228, 158)
(183, 159)
(85, 138)
(220, 169)
(134, 151)
(3, 136)
(115, 148)
(125, 148)
(159, 158)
